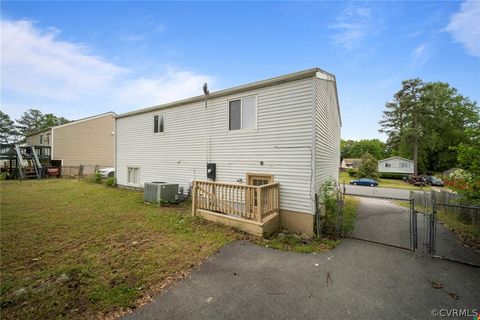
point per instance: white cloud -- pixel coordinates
(37, 63)
(465, 28)
(38, 66)
(421, 54)
(353, 24)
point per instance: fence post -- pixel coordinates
(194, 198)
(259, 204)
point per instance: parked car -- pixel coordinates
(364, 182)
(434, 181)
(107, 172)
(417, 181)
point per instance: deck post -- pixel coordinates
(259, 204)
(194, 198)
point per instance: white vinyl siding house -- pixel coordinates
(287, 126)
(395, 165)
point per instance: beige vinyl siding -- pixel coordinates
(282, 140)
(35, 139)
(327, 132)
(88, 142)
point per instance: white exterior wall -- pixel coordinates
(395, 166)
(327, 132)
(283, 141)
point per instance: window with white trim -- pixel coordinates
(41, 139)
(133, 175)
(388, 164)
(158, 123)
(242, 114)
(404, 165)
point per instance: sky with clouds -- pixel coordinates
(76, 59)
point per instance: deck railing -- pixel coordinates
(248, 202)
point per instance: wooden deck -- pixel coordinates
(253, 209)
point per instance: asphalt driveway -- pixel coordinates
(357, 280)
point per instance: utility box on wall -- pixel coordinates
(211, 170)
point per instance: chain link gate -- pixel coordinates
(451, 227)
(385, 220)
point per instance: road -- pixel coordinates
(377, 191)
(357, 280)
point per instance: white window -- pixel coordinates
(41, 139)
(388, 164)
(404, 165)
(133, 175)
(158, 123)
(242, 114)
(47, 139)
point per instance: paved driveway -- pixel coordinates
(357, 280)
(385, 221)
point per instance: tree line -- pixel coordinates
(31, 121)
(427, 122)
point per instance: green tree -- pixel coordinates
(425, 121)
(7, 128)
(468, 153)
(50, 120)
(356, 149)
(368, 168)
(32, 120)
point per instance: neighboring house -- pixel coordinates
(350, 163)
(286, 129)
(88, 141)
(395, 165)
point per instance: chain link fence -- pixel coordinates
(451, 226)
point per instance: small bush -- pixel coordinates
(97, 177)
(394, 176)
(368, 168)
(352, 172)
(328, 200)
(110, 182)
(3, 176)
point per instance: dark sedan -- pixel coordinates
(364, 182)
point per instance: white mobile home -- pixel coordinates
(395, 165)
(285, 129)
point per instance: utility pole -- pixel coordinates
(415, 146)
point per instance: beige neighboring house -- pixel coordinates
(349, 163)
(88, 141)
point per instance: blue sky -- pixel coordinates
(77, 59)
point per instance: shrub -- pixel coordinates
(395, 176)
(110, 182)
(368, 168)
(328, 200)
(97, 177)
(352, 172)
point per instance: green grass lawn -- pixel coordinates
(78, 250)
(385, 183)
